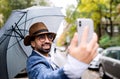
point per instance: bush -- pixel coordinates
(106, 41)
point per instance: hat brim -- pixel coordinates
(27, 39)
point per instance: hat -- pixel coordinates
(36, 29)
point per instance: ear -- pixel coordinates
(33, 43)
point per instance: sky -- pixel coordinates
(64, 4)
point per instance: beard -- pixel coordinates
(43, 50)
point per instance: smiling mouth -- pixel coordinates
(46, 46)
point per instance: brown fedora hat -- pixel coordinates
(36, 29)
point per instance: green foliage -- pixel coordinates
(93, 9)
(71, 12)
(96, 10)
(86, 9)
(4, 10)
(6, 6)
(106, 41)
(44, 3)
(20, 4)
(72, 30)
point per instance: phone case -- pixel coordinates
(81, 24)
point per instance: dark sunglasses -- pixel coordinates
(42, 37)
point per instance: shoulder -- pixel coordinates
(36, 60)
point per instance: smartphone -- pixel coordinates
(81, 24)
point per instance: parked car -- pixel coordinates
(110, 63)
(95, 63)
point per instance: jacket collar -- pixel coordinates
(34, 52)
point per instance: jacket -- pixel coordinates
(39, 68)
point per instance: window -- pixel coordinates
(112, 54)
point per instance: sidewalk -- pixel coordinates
(20, 78)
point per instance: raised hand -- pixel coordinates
(84, 52)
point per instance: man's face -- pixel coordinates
(42, 43)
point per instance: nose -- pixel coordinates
(47, 39)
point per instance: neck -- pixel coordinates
(44, 54)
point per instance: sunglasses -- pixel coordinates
(42, 37)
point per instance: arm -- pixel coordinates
(80, 55)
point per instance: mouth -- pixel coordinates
(46, 46)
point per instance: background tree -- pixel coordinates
(103, 13)
(6, 6)
(4, 11)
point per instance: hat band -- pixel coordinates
(39, 31)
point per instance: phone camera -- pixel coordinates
(80, 23)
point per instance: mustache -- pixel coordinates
(46, 44)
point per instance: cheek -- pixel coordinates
(37, 44)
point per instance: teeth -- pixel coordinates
(46, 46)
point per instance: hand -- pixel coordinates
(84, 52)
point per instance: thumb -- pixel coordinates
(74, 41)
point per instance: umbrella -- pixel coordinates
(13, 53)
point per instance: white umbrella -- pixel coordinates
(13, 53)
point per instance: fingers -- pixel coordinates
(74, 41)
(93, 41)
(85, 51)
(91, 54)
(84, 35)
(94, 51)
(92, 46)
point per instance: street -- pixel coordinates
(88, 74)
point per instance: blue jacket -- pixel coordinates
(39, 68)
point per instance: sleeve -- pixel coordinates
(74, 68)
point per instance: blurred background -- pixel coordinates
(106, 17)
(105, 14)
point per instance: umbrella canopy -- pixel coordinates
(13, 53)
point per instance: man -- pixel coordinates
(39, 65)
